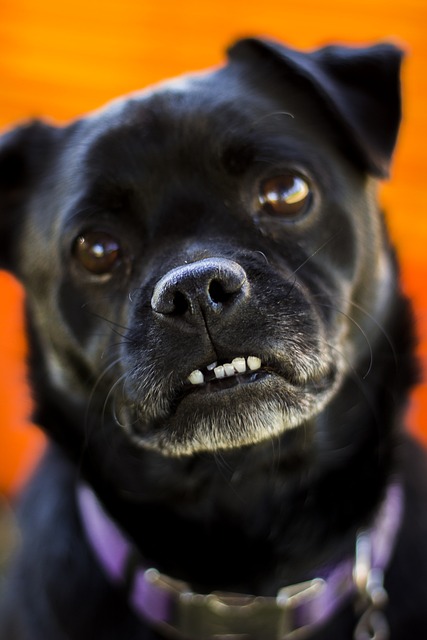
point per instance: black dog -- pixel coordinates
(221, 356)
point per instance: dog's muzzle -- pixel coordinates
(224, 357)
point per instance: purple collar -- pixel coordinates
(172, 607)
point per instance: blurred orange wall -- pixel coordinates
(62, 59)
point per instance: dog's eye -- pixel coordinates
(287, 195)
(97, 252)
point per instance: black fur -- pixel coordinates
(197, 481)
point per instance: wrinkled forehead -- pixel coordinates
(179, 114)
(194, 117)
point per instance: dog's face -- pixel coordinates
(204, 262)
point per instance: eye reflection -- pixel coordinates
(97, 251)
(287, 195)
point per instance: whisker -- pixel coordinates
(88, 423)
(350, 366)
(365, 312)
(104, 318)
(263, 255)
(322, 246)
(108, 396)
(114, 345)
(379, 326)
(357, 325)
(96, 386)
(225, 469)
(222, 464)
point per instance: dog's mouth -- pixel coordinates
(228, 403)
(220, 375)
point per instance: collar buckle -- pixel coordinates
(229, 616)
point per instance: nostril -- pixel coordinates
(180, 304)
(217, 292)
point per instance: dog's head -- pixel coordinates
(204, 261)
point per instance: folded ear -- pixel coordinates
(24, 153)
(360, 88)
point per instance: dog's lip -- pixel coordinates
(226, 383)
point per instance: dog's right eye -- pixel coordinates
(97, 251)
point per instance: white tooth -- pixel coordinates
(229, 369)
(219, 372)
(211, 366)
(239, 364)
(196, 377)
(254, 363)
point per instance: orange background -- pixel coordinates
(62, 59)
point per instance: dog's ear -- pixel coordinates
(360, 87)
(24, 153)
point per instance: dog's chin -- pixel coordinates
(225, 416)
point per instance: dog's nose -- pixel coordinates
(206, 286)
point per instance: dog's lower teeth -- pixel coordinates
(226, 370)
(219, 372)
(196, 377)
(254, 363)
(229, 370)
(239, 364)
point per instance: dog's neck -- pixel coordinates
(172, 605)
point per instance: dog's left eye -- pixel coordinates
(98, 252)
(287, 195)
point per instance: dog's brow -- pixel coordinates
(278, 115)
(238, 156)
(86, 212)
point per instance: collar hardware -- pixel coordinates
(372, 596)
(295, 613)
(218, 615)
